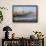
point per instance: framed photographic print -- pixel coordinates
(25, 13)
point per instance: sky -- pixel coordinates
(33, 9)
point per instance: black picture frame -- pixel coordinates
(22, 16)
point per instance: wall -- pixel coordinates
(23, 29)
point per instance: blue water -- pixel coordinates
(26, 17)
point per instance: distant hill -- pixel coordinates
(23, 13)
